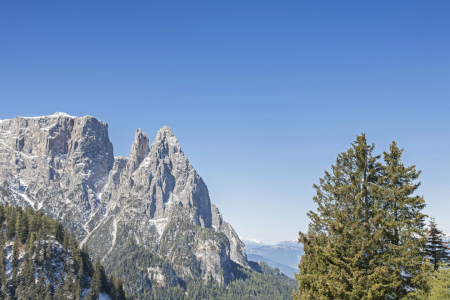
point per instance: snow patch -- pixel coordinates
(251, 240)
(160, 224)
(103, 296)
(55, 115)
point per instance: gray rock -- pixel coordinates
(56, 163)
(65, 167)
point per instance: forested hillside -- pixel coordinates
(265, 284)
(134, 260)
(40, 260)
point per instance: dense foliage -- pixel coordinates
(132, 261)
(438, 287)
(135, 259)
(40, 260)
(367, 237)
(247, 285)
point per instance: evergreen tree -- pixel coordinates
(11, 221)
(3, 280)
(15, 254)
(438, 284)
(405, 223)
(40, 291)
(23, 228)
(2, 214)
(76, 289)
(31, 242)
(96, 281)
(67, 289)
(436, 249)
(88, 296)
(20, 293)
(362, 222)
(59, 232)
(59, 293)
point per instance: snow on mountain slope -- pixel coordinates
(65, 166)
(252, 243)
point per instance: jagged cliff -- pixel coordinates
(154, 199)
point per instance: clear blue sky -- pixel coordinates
(262, 95)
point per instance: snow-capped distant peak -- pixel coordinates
(252, 243)
(251, 240)
(293, 242)
(62, 114)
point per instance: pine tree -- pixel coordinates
(31, 242)
(59, 293)
(76, 289)
(436, 249)
(67, 289)
(361, 222)
(15, 254)
(28, 272)
(59, 232)
(96, 281)
(21, 292)
(88, 296)
(2, 214)
(23, 228)
(87, 264)
(118, 289)
(11, 221)
(405, 222)
(3, 280)
(48, 296)
(40, 291)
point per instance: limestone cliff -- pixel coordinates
(64, 166)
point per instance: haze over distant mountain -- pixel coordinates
(285, 255)
(288, 271)
(293, 243)
(252, 243)
(152, 204)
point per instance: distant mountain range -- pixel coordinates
(288, 271)
(252, 243)
(293, 243)
(285, 255)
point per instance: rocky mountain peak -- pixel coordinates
(65, 166)
(139, 150)
(166, 136)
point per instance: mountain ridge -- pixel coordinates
(65, 166)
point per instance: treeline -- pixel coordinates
(40, 260)
(132, 261)
(247, 285)
(367, 239)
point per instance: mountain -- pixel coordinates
(252, 243)
(286, 255)
(148, 217)
(38, 260)
(288, 271)
(293, 243)
(446, 238)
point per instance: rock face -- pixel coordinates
(56, 163)
(154, 199)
